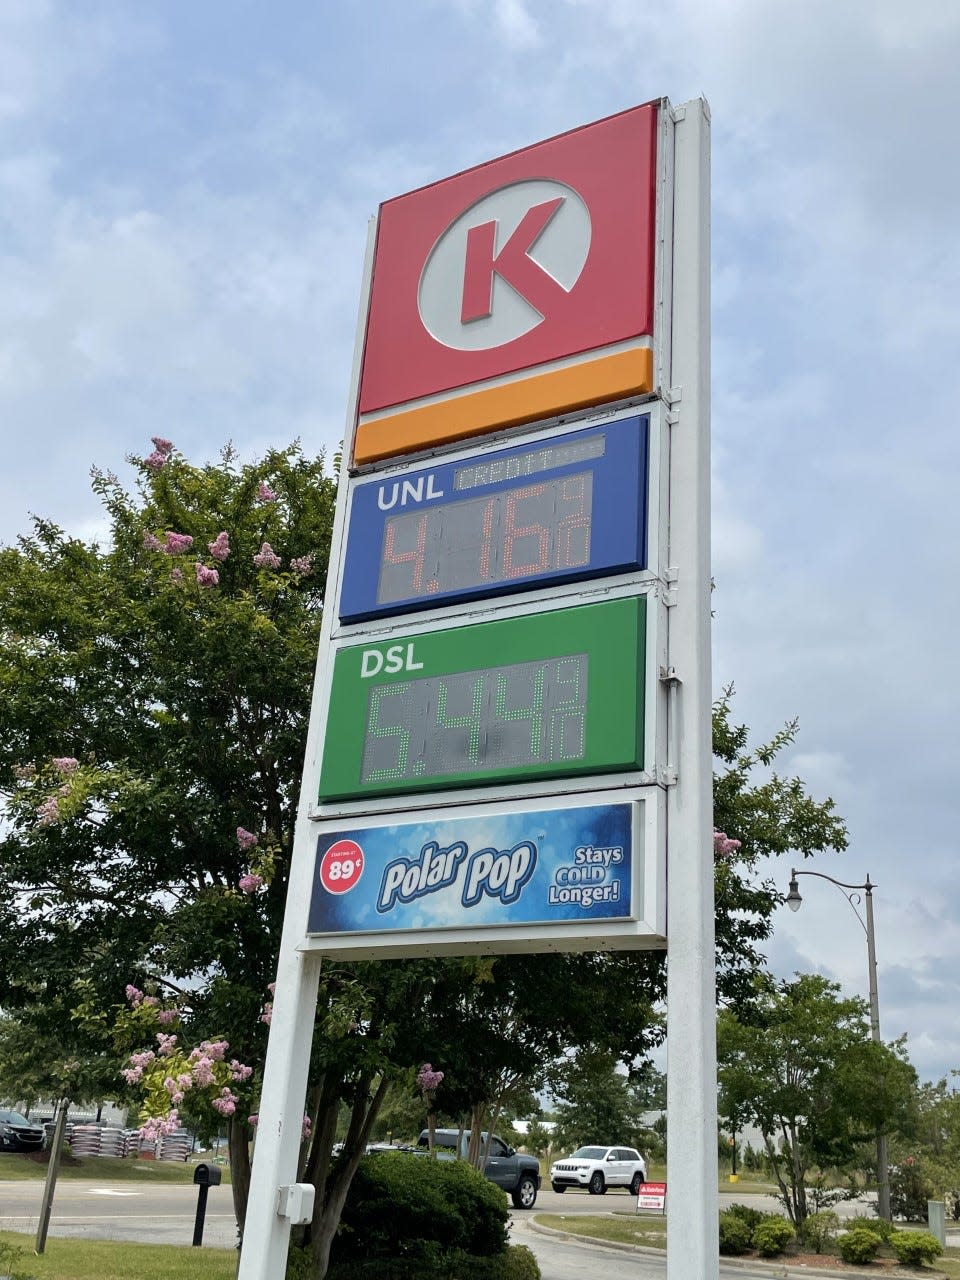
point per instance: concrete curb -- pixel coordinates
(770, 1266)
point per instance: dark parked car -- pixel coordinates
(518, 1175)
(17, 1133)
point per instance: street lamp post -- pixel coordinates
(853, 897)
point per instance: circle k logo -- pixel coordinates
(503, 264)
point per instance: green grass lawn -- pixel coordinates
(66, 1259)
(651, 1230)
(637, 1228)
(21, 1168)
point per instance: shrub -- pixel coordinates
(406, 1209)
(752, 1217)
(818, 1228)
(517, 1263)
(734, 1234)
(11, 1257)
(915, 1248)
(859, 1245)
(879, 1226)
(772, 1236)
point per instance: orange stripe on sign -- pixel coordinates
(577, 386)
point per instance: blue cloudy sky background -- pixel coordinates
(184, 192)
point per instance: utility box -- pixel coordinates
(295, 1202)
(937, 1220)
(206, 1175)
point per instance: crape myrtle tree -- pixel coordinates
(153, 692)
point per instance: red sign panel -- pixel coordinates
(539, 256)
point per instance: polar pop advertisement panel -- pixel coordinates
(569, 867)
(555, 509)
(549, 694)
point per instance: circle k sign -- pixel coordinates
(542, 255)
(500, 268)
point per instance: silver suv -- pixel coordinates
(597, 1168)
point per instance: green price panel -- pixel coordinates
(544, 695)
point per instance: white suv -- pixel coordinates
(597, 1168)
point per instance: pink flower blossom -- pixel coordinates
(226, 1106)
(302, 565)
(305, 1128)
(239, 1071)
(254, 1119)
(428, 1079)
(245, 839)
(249, 883)
(156, 461)
(167, 1016)
(215, 1048)
(185, 1080)
(133, 994)
(151, 1001)
(203, 1071)
(266, 557)
(265, 493)
(151, 542)
(267, 1015)
(132, 1074)
(161, 445)
(24, 772)
(272, 988)
(206, 577)
(65, 764)
(158, 1127)
(175, 543)
(48, 813)
(143, 1059)
(219, 548)
(176, 575)
(167, 1043)
(723, 846)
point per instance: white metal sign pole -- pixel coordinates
(692, 1238)
(266, 1235)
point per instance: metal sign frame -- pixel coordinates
(681, 778)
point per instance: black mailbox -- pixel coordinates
(206, 1175)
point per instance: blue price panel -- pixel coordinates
(559, 509)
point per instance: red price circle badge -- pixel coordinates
(341, 866)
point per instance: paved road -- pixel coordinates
(164, 1213)
(161, 1213)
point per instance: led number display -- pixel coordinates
(429, 711)
(568, 507)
